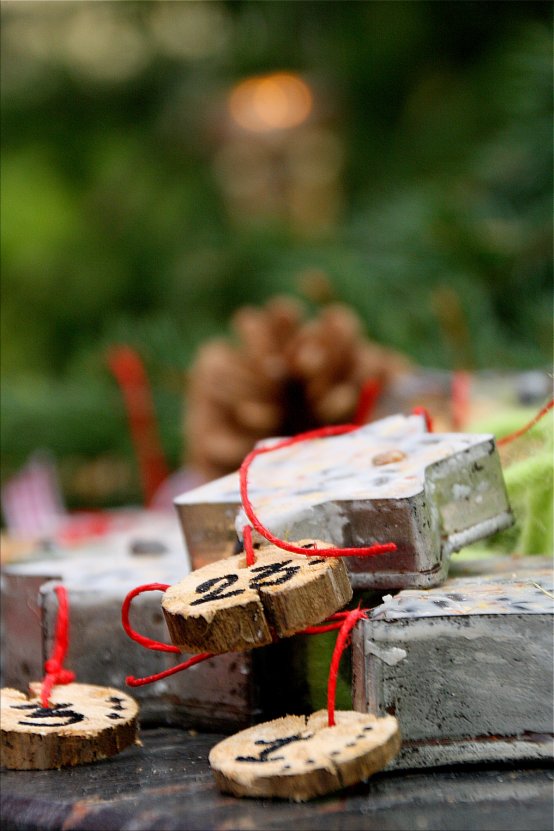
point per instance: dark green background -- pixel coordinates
(114, 228)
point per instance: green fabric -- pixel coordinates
(530, 485)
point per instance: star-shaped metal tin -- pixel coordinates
(389, 481)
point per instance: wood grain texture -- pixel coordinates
(83, 723)
(318, 589)
(233, 621)
(297, 758)
(228, 606)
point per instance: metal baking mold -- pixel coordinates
(389, 481)
(467, 668)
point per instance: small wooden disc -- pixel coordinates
(82, 724)
(228, 606)
(298, 758)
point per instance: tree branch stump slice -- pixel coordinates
(228, 606)
(83, 724)
(299, 757)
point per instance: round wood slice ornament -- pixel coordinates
(299, 758)
(228, 606)
(82, 724)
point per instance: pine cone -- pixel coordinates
(283, 376)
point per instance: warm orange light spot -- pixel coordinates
(271, 102)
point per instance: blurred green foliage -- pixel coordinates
(115, 228)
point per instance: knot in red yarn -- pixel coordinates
(61, 675)
(65, 676)
(55, 673)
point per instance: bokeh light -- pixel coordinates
(277, 101)
(164, 163)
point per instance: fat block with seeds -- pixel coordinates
(389, 481)
(466, 668)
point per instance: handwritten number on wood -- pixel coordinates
(268, 574)
(212, 591)
(59, 711)
(270, 747)
(282, 572)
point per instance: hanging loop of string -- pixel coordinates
(248, 545)
(369, 395)
(332, 623)
(423, 411)
(323, 432)
(150, 643)
(460, 395)
(521, 432)
(53, 667)
(149, 679)
(343, 639)
(344, 621)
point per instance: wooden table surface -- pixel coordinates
(167, 785)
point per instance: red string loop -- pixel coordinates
(343, 621)
(423, 411)
(330, 624)
(248, 546)
(343, 638)
(369, 395)
(53, 667)
(460, 398)
(322, 432)
(128, 368)
(148, 643)
(149, 679)
(515, 435)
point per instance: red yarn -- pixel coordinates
(343, 638)
(460, 392)
(333, 622)
(53, 667)
(129, 371)
(148, 643)
(319, 628)
(322, 432)
(248, 547)
(369, 395)
(512, 436)
(423, 411)
(149, 679)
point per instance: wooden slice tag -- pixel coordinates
(82, 724)
(299, 758)
(228, 606)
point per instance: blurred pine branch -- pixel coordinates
(114, 228)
